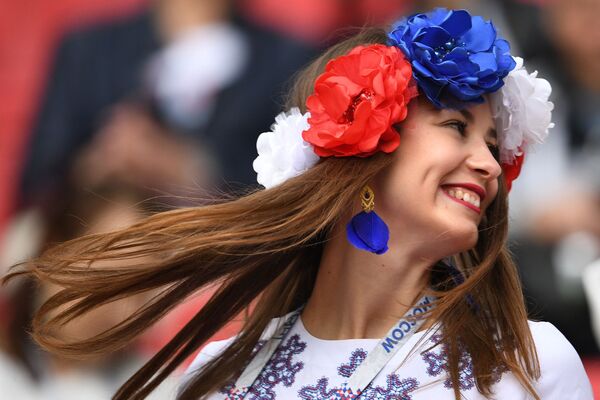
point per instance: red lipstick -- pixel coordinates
(480, 191)
(464, 203)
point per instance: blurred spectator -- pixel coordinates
(39, 375)
(17, 372)
(555, 205)
(172, 97)
(29, 34)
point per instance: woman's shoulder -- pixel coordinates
(562, 372)
(215, 348)
(553, 348)
(209, 352)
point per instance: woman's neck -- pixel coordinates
(362, 295)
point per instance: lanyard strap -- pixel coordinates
(375, 361)
(263, 356)
(387, 347)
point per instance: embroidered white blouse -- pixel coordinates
(308, 368)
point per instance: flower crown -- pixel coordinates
(449, 56)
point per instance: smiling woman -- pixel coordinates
(374, 265)
(443, 177)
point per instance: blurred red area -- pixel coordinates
(163, 331)
(30, 30)
(592, 367)
(317, 21)
(29, 33)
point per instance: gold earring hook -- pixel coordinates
(367, 199)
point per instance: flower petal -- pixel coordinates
(457, 23)
(434, 36)
(282, 152)
(522, 112)
(456, 57)
(372, 88)
(485, 61)
(481, 36)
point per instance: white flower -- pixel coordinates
(522, 112)
(282, 153)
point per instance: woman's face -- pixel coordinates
(443, 177)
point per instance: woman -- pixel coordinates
(423, 129)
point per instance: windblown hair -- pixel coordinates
(263, 250)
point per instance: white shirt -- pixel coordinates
(305, 367)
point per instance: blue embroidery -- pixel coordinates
(437, 363)
(357, 357)
(279, 370)
(396, 388)
(229, 388)
(318, 391)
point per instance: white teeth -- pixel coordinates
(470, 198)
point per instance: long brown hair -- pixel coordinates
(263, 250)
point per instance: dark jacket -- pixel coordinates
(101, 66)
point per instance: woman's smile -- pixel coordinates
(465, 198)
(467, 194)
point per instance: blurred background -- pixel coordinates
(111, 110)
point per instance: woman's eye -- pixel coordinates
(460, 126)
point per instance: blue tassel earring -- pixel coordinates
(366, 230)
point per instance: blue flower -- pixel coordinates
(456, 58)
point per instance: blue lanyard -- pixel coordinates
(372, 365)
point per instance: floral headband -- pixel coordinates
(449, 56)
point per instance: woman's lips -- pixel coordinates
(470, 187)
(464, 203)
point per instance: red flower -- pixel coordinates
(512, 171)
(357, 100)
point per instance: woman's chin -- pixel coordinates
(461, 239)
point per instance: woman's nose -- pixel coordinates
(484, 163)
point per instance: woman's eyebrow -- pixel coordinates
(491, 133)
(467, 114)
